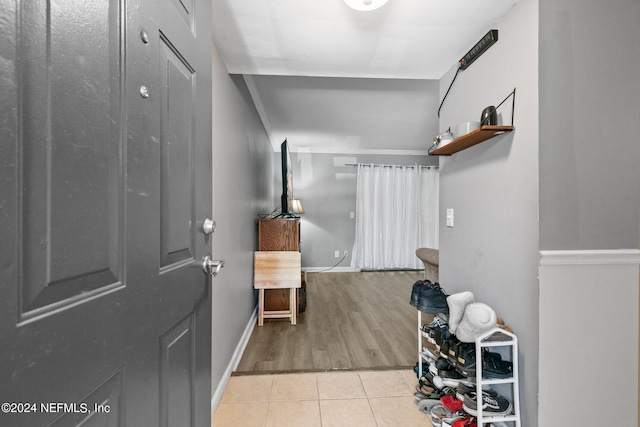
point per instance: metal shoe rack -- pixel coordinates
(494, 338)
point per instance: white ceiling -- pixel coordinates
(331, 79)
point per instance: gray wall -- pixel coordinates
(327, 190)
(589, 124)
(589, 199)
(492, 250)
(243, 170)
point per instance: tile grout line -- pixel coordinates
(318, 397)
(375, 419)
(266, 418)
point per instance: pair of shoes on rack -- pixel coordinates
(439, 413)
(492, 364)
(467, 389)
(494, 367)
(491, 402)
(426, 399)
(448, 348)
(462, 356)
(437, 331)
(442, 416)
(425, 393)
(460, 421)
(425, 369)
(429, 355)
(425, 389)
(465, 360)
(444, 374)
(416, 290)
(429, 297)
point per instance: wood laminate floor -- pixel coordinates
(352, 321)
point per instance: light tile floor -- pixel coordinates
(327, 399)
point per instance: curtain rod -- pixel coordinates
(390, 166)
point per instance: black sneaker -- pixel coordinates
(433, 300)
(464, 389)
(415, 292)
(450, 377)
(491, 405)
(448, 348)
(466, 358)
(443, 364)
(494, 367)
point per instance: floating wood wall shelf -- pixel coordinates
(475, 137)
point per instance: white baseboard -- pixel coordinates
(590, 257)
(235, 360)
(329, 269)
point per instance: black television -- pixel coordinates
(287, 180)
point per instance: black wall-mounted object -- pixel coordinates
(481, 47)
(474, 53)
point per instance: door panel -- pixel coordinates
(107, 396)
(70, 152)
(177, 375)
(177, 117)
(105, 186)
(185, 10)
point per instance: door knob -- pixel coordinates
(208, 226)
(211, 267)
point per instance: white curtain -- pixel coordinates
(396, 213)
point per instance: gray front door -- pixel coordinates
(105, 180)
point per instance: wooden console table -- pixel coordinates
(278, 234)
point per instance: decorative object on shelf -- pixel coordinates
(465, 128)
(443, 139)
(489, 116)
(365, 5)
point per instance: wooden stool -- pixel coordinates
(276, 270)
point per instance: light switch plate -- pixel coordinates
(449, 217)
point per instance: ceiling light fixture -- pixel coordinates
(365, 5)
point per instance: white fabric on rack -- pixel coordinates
(396, 213)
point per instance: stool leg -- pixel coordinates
(260, 307)
(292, 303)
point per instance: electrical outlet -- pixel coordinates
(346, 253)
(337, 254)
